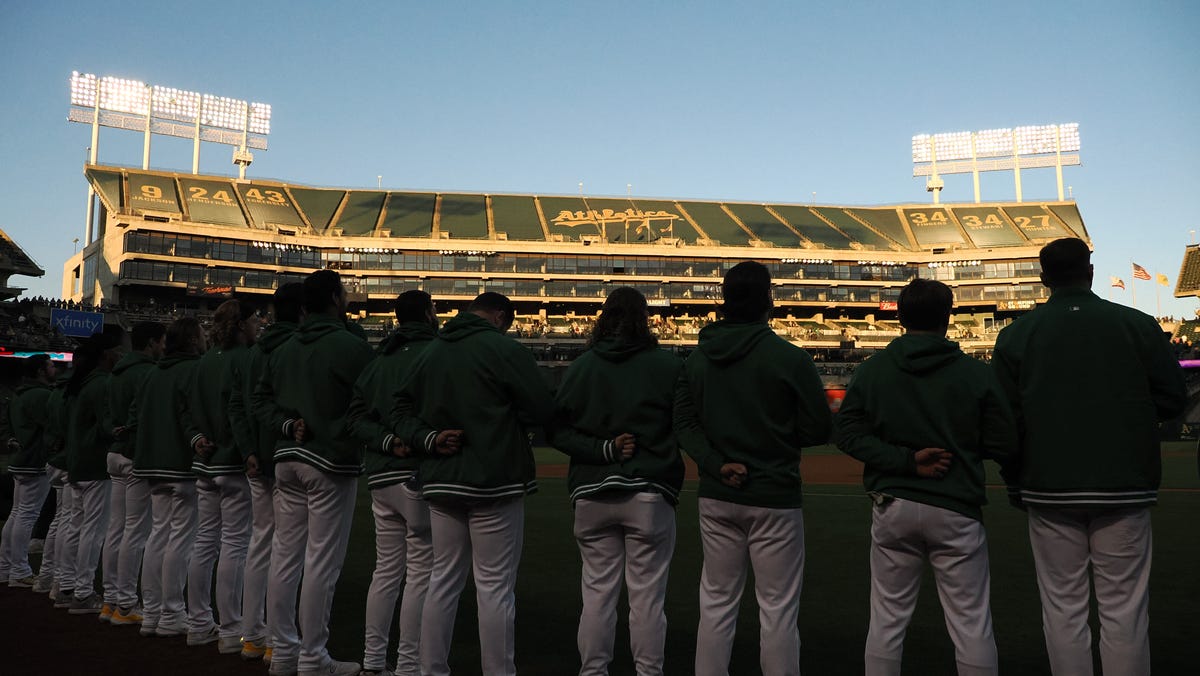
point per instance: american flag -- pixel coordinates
(1118, 282)
(1140, 273)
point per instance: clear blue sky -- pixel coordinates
(741, 101)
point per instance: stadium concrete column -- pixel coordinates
(91, 205)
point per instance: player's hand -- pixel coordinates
(932, 463)
(448, 442)
(14, 446)
(733, 474)
(400, 449)
(252, 469)
(203, 447)
(299, 431)
(625, 444)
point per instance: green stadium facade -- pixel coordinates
(192, 240)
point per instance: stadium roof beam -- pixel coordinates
(1031, 147)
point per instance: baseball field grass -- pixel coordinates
(834, 605)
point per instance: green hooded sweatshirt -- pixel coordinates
(209, 404)
(28, 418)
(1089, 381)
(374, 398)
(56, 424)
(311, 377)
(476, 379)
(251, 430)
(123, 386)
(89, 430)
(616, 388)
(162, 421)
(748, 396)
(923, 392)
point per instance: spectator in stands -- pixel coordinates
(922, 416)
(466, 404)
(1089, 381)
(748, 402)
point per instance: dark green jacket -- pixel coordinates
(616, 388)
(748, 396)
(56, 425)
(374, 398)
(123, 386)
(311, 377)
(209, 404)
(28, 415)
(1089, 381)
(89, 429)
(923, 392)
(252, 430)
(166, 434)
(478, 380)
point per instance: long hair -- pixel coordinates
(184, 335)
(623, 317)
(227, 323)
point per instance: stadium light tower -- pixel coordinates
(970, 152)
(151, 109)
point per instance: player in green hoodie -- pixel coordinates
(614, 419)
(88, 435)
(403, 540)
(259, 435)
(922, 416)
(166, 440)
(467, 404)
(1089, 381)
(305, 392)
(27, 420)
(748, 402)
(222, 490)
(129, 503)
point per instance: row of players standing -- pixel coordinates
(449, 465)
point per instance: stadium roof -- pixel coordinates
(14, 260)
(273, 206)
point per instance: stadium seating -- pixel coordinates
(765, 226)
(360, 212)
(718, 225)
(860, 233)
(1189, 273)
(411, 215)
(517, 218)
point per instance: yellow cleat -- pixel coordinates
(106, 613)
(123, 617)
(254, 651)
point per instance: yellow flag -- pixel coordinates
(1162, 279)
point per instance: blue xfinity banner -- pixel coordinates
(75, 323)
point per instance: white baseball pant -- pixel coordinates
(223, 528)
(488, 536)
(119, 468)
(903, 534)
(628, 536)
(56, 534)
(403, 554)
(68, 538)
(313, 513)
(133, 540)
(29, 493)
(91, 521)
(258, 560)
(772, 540)
(164, 564)
(1117, 544)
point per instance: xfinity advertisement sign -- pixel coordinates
(76, 324)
